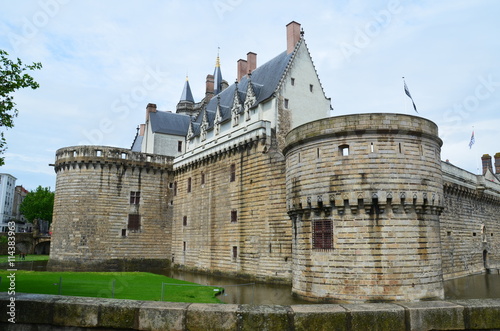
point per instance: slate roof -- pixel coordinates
(169, 123)
(186, 92)
(265, 81)
(136, 145)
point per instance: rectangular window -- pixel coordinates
(185, 220)
(189, 185)
(286, 104)
(202, 178)
(344, 150)
(124, 232)
(234, 216)
(179, 146)
(175, 189)
(134, 222)
(233, 173)
(310, 87)
(135, 196)
(322, 235)
(235, 252)
(184, 246)
(292, 80)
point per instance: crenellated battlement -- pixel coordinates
(368, 203)
(94, 156)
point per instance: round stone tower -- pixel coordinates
(100, 219)
(364, 193)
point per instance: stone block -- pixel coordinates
(376, 316)
(434, 315)
(117, 313)
(481, 314)
(162, 315)
(211, 317)
(264, 317)
(319, 317)
(76, 311)
(29, 308)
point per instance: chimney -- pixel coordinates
(292, 36)
(497, 163)
(252, 61)
(209, 89)
(142, 128)
(150, 108)
(486, 160)
(242, 68)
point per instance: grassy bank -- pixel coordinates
(120, 285)
(4, 258)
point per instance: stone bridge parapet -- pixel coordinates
(35, 311)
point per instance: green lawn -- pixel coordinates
(4, 258)
(121, 285)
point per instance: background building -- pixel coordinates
(7, 193)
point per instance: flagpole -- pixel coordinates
(404, 100)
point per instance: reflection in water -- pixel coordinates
(238, 291)
(473, 287)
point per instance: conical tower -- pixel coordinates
(186, 103)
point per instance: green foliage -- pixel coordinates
(120, 285)
(12, 78)
(38, 204)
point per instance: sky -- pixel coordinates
(104, 61)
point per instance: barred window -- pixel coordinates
(134, 222)
(135, 197)
(322, 235)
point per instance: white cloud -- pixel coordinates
(95, 53)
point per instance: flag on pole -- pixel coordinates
(472, 140)
(409, 95)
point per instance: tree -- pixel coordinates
(38, 204)
(12, 78)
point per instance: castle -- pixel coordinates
(258, 181)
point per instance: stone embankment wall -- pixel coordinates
(111, 209)
(470, 223)
(230, 213)
(364, 193)
(44, 312)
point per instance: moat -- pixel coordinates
(237, 291)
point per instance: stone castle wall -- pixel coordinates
(374, 180)
(233, 220)
(470, 227)
(400, 219)
(93, 203)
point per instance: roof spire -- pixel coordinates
(186, 92)
(217, 75)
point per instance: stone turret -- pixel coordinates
(111, 209)
(364, 193)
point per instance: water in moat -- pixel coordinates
(239, 291)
